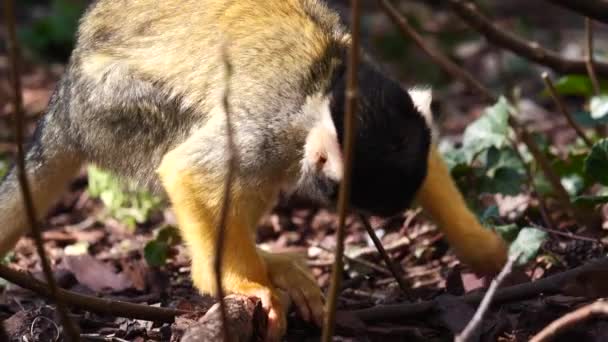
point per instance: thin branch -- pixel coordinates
(589, 54)
(553, 284)
(465, 335)
(89, 303)
(387, 259)
(591, 8)
(344, 193)
(562, 109)
(224, 211)
(599, 308)
(469, 13)
(532, 186)
(545, 166)
(72, 333)
(436, 55)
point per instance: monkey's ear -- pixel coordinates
(422, 98)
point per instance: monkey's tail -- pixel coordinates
(50, 163)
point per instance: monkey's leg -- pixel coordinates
(475, 245)
(289, 272)
(196, 199)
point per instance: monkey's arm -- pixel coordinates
(196, 191)
(475, 245)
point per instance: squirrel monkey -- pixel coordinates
(142, 96)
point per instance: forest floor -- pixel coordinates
(107, 252)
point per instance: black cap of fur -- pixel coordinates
(392, 143)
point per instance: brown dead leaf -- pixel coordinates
(95, 274)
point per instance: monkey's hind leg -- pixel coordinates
(475, 245)
(196, 195)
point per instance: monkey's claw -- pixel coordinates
(288, 272)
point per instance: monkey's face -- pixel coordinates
(391, 147)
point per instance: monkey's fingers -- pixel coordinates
(274, 303)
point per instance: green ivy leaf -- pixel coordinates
(527, 244)
(505, 180)
(599, 106)
(490, 130)
(578, 85)
(156, 252)
(596, 164)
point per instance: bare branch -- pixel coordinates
(485, 302)
(553, 284)
(344, 194)
(591, 8)
(436, 55)
(599, 308)
(562, 109)
(89, 303)
(589, 54)
(14, 55)
(469, 13)
(224, 211)
(387, 259)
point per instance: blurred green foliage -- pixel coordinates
(124, 201)
(158, 249)
(52, 37)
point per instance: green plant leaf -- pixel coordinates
(169, 235)
(156, 252)
(507, 231)
(576, 84)
(505, 180)
(596, 164)
(599, 106)
(490, 130)
(124, 201)
(590, 201)
(527, 244)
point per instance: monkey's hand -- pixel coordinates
(288, 272)
(475, 245)
(197, 199)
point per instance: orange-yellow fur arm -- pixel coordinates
(475, 245)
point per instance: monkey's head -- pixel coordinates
(391, 145)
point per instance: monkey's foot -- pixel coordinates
(288, 272)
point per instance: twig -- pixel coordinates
(351, 259)
(598, 308)
(461, 74)
(99, 337)
(567, 234)
(591, 8)
(547, 286)
(545, 166)
(469, 13)
(562, 108)
(533, 189)
(465, 335)
(89, 303)
(223, 216)
(387, 259)
(589, 54)
(344, 192)
(437, 56)
(71, 330)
